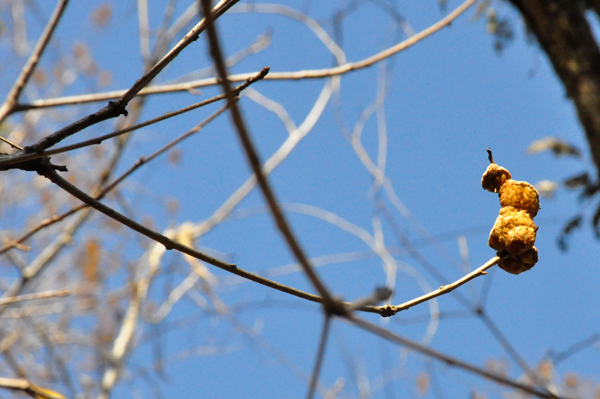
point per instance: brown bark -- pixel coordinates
(564, 34)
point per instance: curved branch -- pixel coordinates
(295, 75)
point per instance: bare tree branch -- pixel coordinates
(37, 295)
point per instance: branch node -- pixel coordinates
(335, 307)
(118, 107)
(387, 311)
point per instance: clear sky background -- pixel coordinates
(448, 98)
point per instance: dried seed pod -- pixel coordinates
(529, 257)
(520, 263)
(521, 195)
(513, 235)
(514, 231)
(494, 177)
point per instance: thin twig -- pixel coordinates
(295, 75)
(10, 143)
(415, 254)
(59, 362)
(17, 243)
(576, 347)
(510, 349)
(444, 289)
(44, 257)
(144, 31)
(122, 342)
(34, 58)
(272, 106)
(111, 95)
(298, 16)
(37, 295)
(255, 162)
(320, 356)
(261, 43)
(451, 361)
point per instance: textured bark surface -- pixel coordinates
(564, 33)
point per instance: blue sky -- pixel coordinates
(448, 98)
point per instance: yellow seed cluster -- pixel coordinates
(514, 232)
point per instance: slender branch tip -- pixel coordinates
(490, 156)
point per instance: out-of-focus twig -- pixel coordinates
(37, 295)
(144, 31)
(451, 361)
(15, 92)
(320, 356)
(23, 385)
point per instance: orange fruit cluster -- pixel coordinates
(514, 232)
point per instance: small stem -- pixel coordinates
(10, 143)
(490, 157)
(320, 355)
(446, 288)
